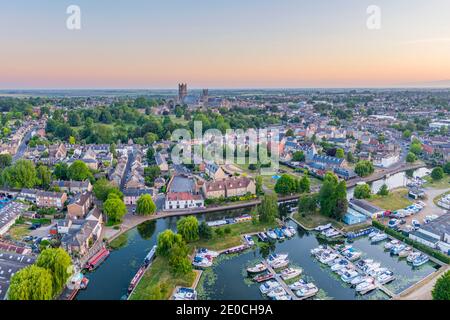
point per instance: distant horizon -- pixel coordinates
(229, 45)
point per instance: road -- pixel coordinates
(23, 144)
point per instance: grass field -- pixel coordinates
(312, 220)
(397, 199)
(158, 282)
(439, 184)
(232, 239)
(18, 231)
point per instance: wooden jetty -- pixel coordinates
(281, 282)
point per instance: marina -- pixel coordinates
(219, 281)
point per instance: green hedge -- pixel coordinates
(419, 246)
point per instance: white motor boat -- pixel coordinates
(379, 237)
(307, 291)
(272, 235)
(297, 285)
(420, 260)
(359, 279)
(282, 298)
(349, 275)
(278, 264)
(405, 252)
(385, 277)
(317, 250)
(207, 253)
(323, 227)
(412, 256)
(326, 258)
(277, 257)
(391, 244)
(290, 273)
(292, 230)
(277, 292)
(268, 286)
(366, 286)
(342, 263)
(260, 267)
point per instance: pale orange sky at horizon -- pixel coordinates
(235, 45)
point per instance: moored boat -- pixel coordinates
(307, 291)
(420, 260)
(290, 273)
(249, 240)
(264, 277)
(379, 237)
(366, 286)
(268, 286)
(412, 256)
(385, 277)
(260, 267)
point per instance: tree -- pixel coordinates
(384, 190)
(362, 191)
(150, 155)
(31, 283)
(441, 290)
(166, 240)
(205, 231)
(364, 168)
(411, 157)
(285, 185)
(145, 205)
(179, 260)
(61, 171)
(289, 133)
(114, 208)
(259, 185)
(298, 156)
(103, 187)
(21, 174)
(59, 263)
(407, 134)
(350, 157)
(79, 171)
(151, 173)
(415, 148)
(268, 209)
(307, 203)
(304, 185)
(341, 200)
(5, 160)
(188, 228)
(72, 140)
(44, 177)
(340, 153)
(327, 199)
(447, 168)
(437, 173)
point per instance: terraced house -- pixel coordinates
(229, 188)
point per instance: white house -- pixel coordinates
(183, 200)
(386, 160)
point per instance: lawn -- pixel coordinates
(397, 199)
(19, 231)
(232, 239)
(439, 184)
(158, 282)
(312, 220)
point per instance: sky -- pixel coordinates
(156, 44)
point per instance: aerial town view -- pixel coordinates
(225, 150)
